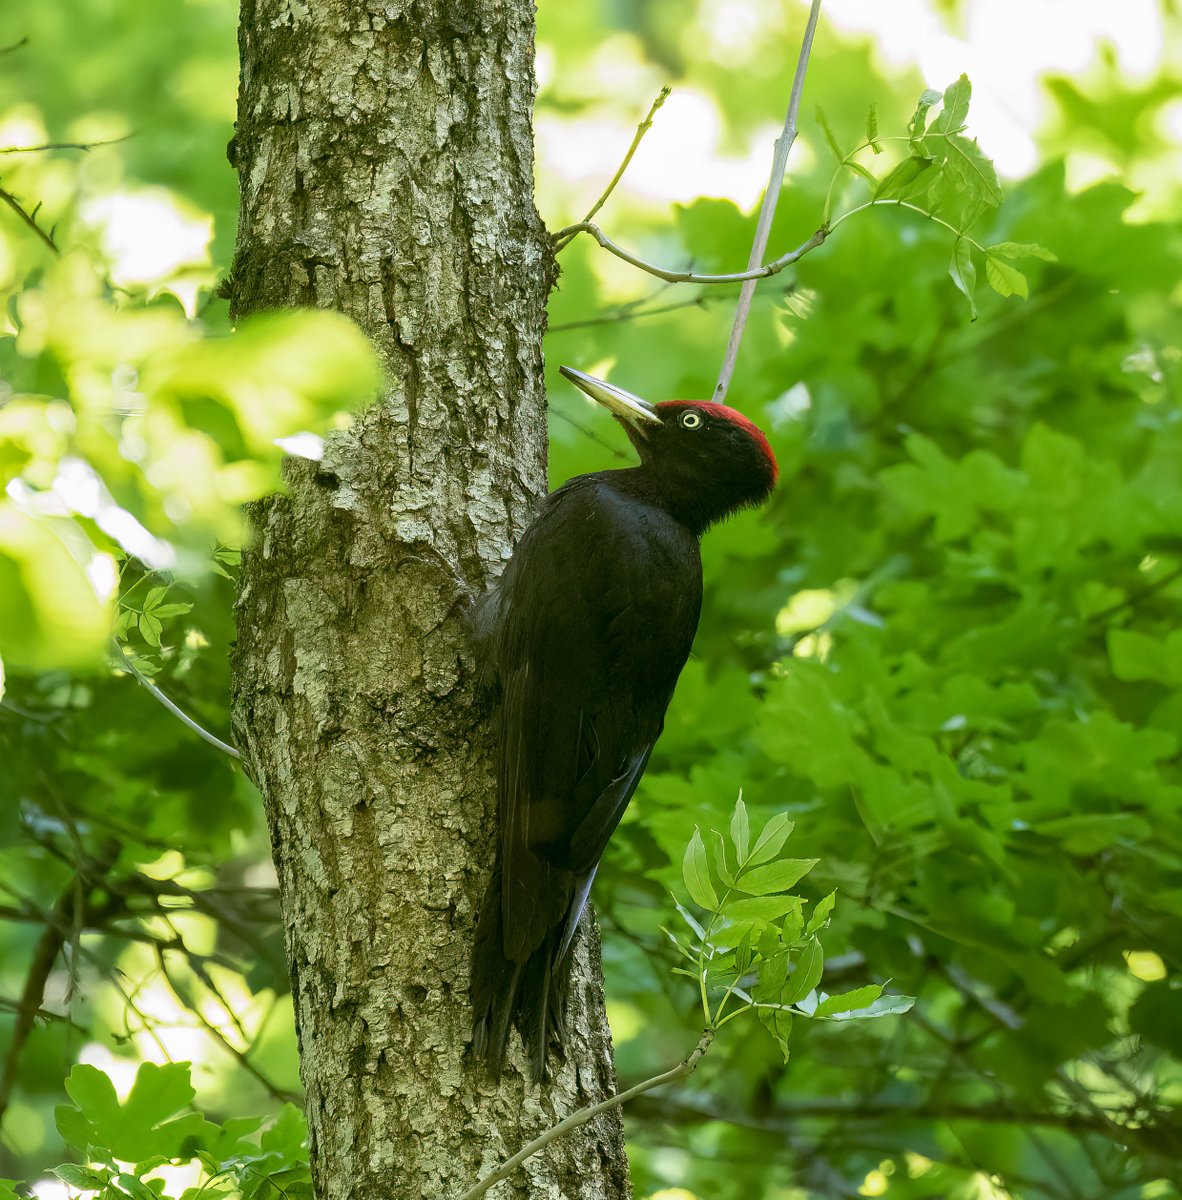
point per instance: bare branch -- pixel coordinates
(641, 129)
(768, 210)
(772, 268)
(583, 1115)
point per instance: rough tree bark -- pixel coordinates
(384, 153)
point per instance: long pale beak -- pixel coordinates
(621, 404)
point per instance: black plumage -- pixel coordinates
(587, 631)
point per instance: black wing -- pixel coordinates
(596, 615)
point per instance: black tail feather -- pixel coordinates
(531, 995)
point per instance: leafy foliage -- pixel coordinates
(124, 1144)
(754, 945)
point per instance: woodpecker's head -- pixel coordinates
(706, 458)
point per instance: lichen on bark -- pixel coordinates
(384, 153)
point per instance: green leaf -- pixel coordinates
(744, 955)
(974, 170)
(898, 184)
(759, 908)
(884, 1006)
(820, 915)
(135, 1187)
(1021, 250)
(1004, 279)
(916, 126)
(171, 610)
(151, 629)
(776, 876)
(720, 863)
(858, 169)
(964, 274)
(823, 121)
(773, 975)
(849, 1002)
(872, 129)
(740, 830)
(141, 1126)
(778, 1022)
(86, 1179)
(770, 842)
(955, 111)
(50, 616)
(810, 964)
(682, 950)
(1135, 657)
(695, 872)
(689, 918)
(154, 597)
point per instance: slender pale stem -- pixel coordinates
(923, 212)
(768, 210)
(688, 1067)
(560, 240)
(181, 716)
(772, 268)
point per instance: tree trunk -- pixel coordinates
(385, 159)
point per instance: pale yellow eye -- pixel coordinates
(690, 419)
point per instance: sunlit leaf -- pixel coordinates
(1020, 250)
(50, 614)
(823, 121)
(1004, 279)
(776, 876)
(917, 125)
(695, 873)
(144, 1124)
(809, 966)
(771, 839)
(955, 110)
(740, 830)
(820, 914)
(964, 274)
(849, 1002)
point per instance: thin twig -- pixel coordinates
(641, 130)
(30, 219)
(688, 1067)
(627, 314)
(243, 1057)
(636, 309)
(44, 955)
(63, 146)
(769, 269)
(784, 1118)
(154, 691)
(768, 209)
(1135, 598)
(590, 433)
(14, 46)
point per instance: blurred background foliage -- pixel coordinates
(948, 649)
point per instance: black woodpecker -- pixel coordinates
(586, 631)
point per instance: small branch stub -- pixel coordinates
(681, 1071)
